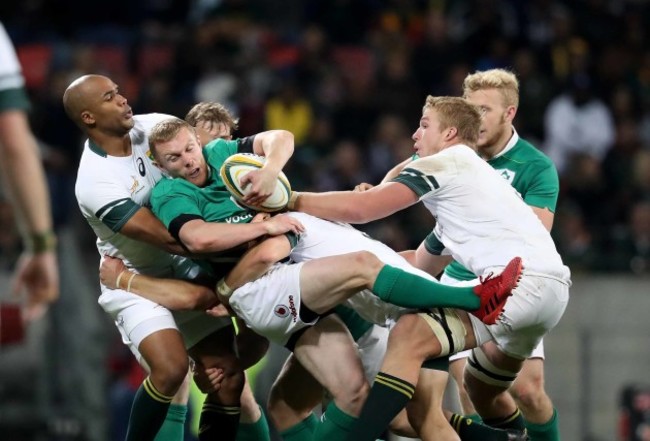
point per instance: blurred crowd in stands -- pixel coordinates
(349, 77)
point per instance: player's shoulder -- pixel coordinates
(143, 123)
(167, 187)
(523, 150)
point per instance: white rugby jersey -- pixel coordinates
(480, 218)
(111, 189)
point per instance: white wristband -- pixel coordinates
(223, 289)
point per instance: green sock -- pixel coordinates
(356, 324)
(514, 421)
(475, 417)
(402, 288)
(148, 412)
(549, 431)
(257, 431)
(303, 431)
(173, 429)
(218, 421)
(386, 399)
(335, 424)
(469, 430)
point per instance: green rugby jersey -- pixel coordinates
(175, 201)
(530, 172)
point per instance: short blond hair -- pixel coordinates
(457, 112)
(500, 79)
(167, 130)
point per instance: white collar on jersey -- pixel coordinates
(511, 143)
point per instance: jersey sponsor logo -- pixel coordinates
(238, 218)
(283, 311)
(506, 174)
(141, 168)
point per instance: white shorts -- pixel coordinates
(270, 305)
(136, 317)
(535, 307)
(324, 238)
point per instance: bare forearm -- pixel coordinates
(146, 227)
(258, 260)
(277, 146)
(342, 206)
(23, 175)
(173, 294)
(211, 237)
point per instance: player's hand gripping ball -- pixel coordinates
(237, 165)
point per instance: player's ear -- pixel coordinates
(451, 132)
(87, 118)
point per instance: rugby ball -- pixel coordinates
(237, 165)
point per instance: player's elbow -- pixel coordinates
(286, 140)
(197, 243)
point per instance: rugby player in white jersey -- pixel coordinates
(482, 223)
(534, 176)
(196, 210)
(113, 186)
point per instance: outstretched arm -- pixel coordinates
(355, 207)
(202, 237)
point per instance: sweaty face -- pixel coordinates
(182, 157)
(494, 123)
(429, 138)
(107, 108)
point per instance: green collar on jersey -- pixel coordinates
(97, 149)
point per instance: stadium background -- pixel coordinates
(349, 79)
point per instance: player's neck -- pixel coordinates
(489, 152)
(113, 145)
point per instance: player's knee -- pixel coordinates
(168, 375)
(528, 392)
(350, 396)
(368, 262)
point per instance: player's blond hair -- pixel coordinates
(214, 113)
(500, 79)
(166, 130)
(456, 112)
